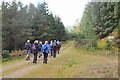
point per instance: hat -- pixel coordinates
(36, 41)
(28, 41)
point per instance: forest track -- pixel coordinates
(70, 63)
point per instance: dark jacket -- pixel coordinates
(27, 46)
(35, 48)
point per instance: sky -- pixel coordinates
(70, 11)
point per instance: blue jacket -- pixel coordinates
(45, 48)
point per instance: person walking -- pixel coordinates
(54, 48)
(28, 49)
(51, 48)
(58, 46)
(40, 46)
(45, 49)
(35, 48)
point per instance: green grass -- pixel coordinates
(13, 60)
(70, 63)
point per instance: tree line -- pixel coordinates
(99, 20)
(21, 22)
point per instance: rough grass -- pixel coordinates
(70, 63)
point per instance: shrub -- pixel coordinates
(18, 53)
(6, 54)
(101, 44)
(104, 44)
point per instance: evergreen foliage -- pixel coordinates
(99, 20)
(21, 22)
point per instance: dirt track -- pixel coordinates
(69, 64)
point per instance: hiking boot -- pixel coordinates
(28, 58)
(34, 62)
(39, 56)
(51, 54)
(45, 62)
(54, 57)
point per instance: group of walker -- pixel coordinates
(38, 48)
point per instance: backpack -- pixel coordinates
(54, 44)
(40, 46)
(33, 47)
(59, 45)
(27, 46)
